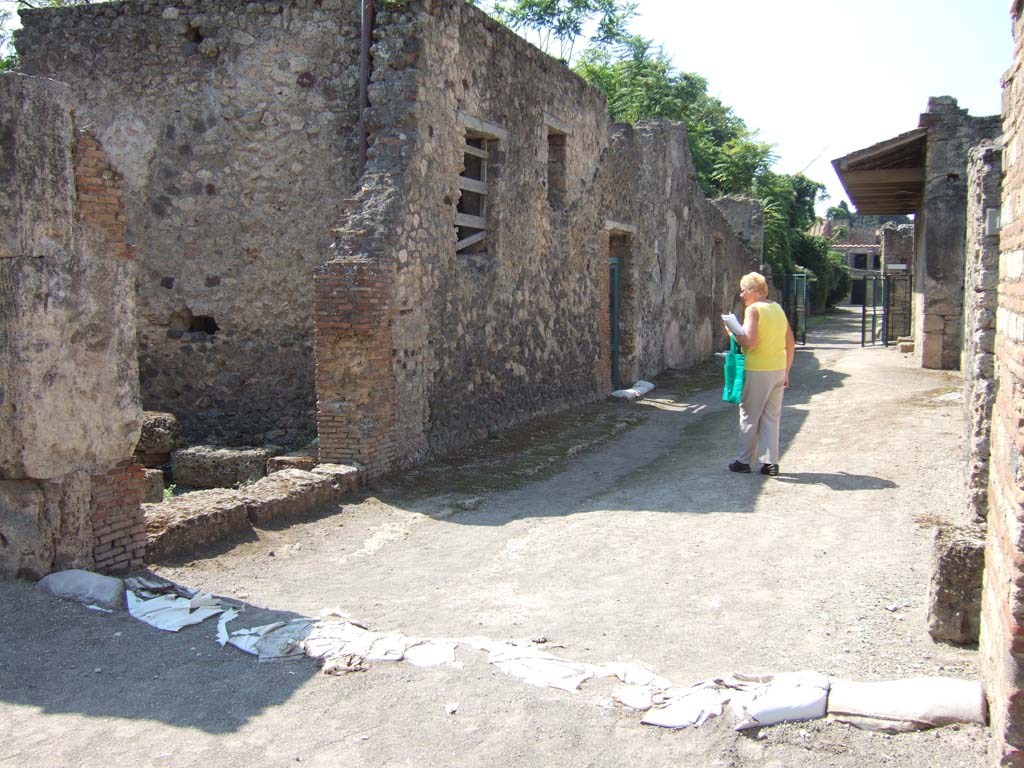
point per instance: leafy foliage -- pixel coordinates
(842, 212)
(640, 83)
(561, 23)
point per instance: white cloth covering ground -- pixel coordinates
(343, 646)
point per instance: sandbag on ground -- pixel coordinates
(907, 705)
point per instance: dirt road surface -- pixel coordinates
(615, 532)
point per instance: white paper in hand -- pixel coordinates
(733, 324)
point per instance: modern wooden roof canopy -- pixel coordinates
(887, 178)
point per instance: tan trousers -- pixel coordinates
(760, 414)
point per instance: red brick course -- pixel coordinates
(355, 385)
(118, 525)
(1002, 633)
(100, 203)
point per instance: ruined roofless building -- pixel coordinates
(460, 284)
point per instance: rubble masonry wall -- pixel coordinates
(234, 126)
(939, 262)
(981, 284)
(479, 340)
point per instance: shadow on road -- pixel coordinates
(675, 461)
(112, 665)
(837, 481)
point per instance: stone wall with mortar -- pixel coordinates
(517, 326)
(896, 249)
(234, 126)
(981, 284)
(746, 218)
(942, 226)
(69, 398)
(1002, 618)
(683, 259)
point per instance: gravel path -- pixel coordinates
(645, 549)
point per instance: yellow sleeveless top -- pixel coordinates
(770, 352)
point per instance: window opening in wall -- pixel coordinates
(480, 162)
(471, 216)
(557, 143)
(860, 261)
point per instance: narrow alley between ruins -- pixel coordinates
(640, 546)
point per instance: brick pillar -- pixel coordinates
(355, 384)
(1002, 614)
(118, 525)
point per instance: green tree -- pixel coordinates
(640, 82)
(561, 23)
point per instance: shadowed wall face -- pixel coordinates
(234, 127)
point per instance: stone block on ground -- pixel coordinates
(45, 526)
(954, 593)
(305, 458)
(85, 587)
(159, 438)
(346, 477)
(212, 466)
(189, 522)
(154, 492)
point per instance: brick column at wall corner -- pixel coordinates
(1001, 645)
(119, 528)
(100, 203)
(355, 379)
(118, 524)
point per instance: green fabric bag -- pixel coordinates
(734, 365)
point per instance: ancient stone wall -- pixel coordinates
(939, 261)
(981, 283)
(1002, 652)
(234, 126)
(499, 312)
(896, 255)
(682, 259)
(746, 218)
(69, 398)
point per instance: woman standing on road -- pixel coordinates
(768, 345)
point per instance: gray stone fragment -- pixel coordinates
(160, 433)
(954, 593)
(85, 587)
(154, 492)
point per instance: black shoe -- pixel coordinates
(739, 466)
(772, 470)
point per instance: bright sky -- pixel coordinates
(822, 78)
